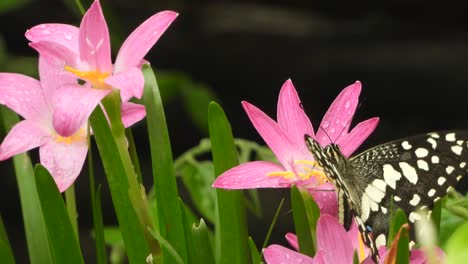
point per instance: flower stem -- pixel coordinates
(71, 208)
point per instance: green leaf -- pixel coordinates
(305, 214)
(129, 203)
(254, 254)
(398, 219)
(10, 5)
(403, 249)
(63, 242)
(170, 219)
(6, 254)
(273, 222)
(231, 224)
(457, 248)
(168, 247)
(34, 225)
(202, 243)
(198, 178)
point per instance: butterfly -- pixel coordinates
(409, 173)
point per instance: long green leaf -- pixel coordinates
(254, 254)
(34, 225)
(170, 219)
(6, 253)
(202, 244)
(126, 195)
(231, 226)
(62, 238)
(305, 214)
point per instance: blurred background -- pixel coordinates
(411, 57)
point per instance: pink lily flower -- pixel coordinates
(286, 139)
(86, 53)
(334, 245)
(35, 101)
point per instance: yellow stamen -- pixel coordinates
(308, 162)
(78, 136)
(284, 174)
(96, 78)
(304, 170)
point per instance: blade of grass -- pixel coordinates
(305, 214)
(231, 226)
(254, 254)
(6, 253)
(202, 244)
(71, 209)
(133, 154)
(101, 256)
(170, 218)
(62, 238)
(34, 225)
(273, 222)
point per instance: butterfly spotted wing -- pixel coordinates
(410, 174)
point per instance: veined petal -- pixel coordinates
(326, 199)
(63, 34)
(349, 143)
(291, 116)
(142, 39)
(130, 83)
(333, 241)
(73, 106)
(276, 254)
(272, 134)
(53, 77)
(252, 175)
(94, 40)
(132, 113)
(61, 55)
(64, 160)
(292, 240)
(338, 117)
(22, 137)
(23, 95)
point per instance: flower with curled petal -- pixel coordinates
(35, 101)
(286, 139)
(85, 52)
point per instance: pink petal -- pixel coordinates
(333, 240)
(142, 39)
(73, 106)
(292, 240)
(63, 34)
(23, 95)
(251, 175)
(94, 40)
(53, 76)
(291, 117)
(272, 134)
(349, 143)
(326, 199)
(276, 254)
(338, 117)
(22, 137)
(132, 113)
(61, 55)
(64, 161)
(130, 83)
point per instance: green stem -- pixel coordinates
(80, 6)
(133, 155)
(71, 209)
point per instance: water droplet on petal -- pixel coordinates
(68, 37)
(46, 32)
(42, 26)
(325, 124)
(332, 130)
(347, 105)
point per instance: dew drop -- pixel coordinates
(332, 130)
(42, 26)
(347, 105)
(46, 32)
(68, 37)
(325, 124)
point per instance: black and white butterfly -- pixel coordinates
(409, 173)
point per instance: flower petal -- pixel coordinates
(94, 40)
(292, 240)
(23, 95)
(132, 113)
(326, 199)
(338, 117)
(291, 116)
(272, 134)
(333, 240)
(62, 55)
(73, 106)
(276, 254)
(251, 175)
(63, 160)
(349, 143)
(63, 34)
(22, 137)
(142, 39)
(53, 77)
(130, 83)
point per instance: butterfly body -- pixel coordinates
(409, 174)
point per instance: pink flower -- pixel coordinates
(286, 139)
(334, 245)
(85, 52)
(35, 101)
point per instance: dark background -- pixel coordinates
(409, 55)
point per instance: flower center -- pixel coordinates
(304, 170)
(78, 136)
(96, 78)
